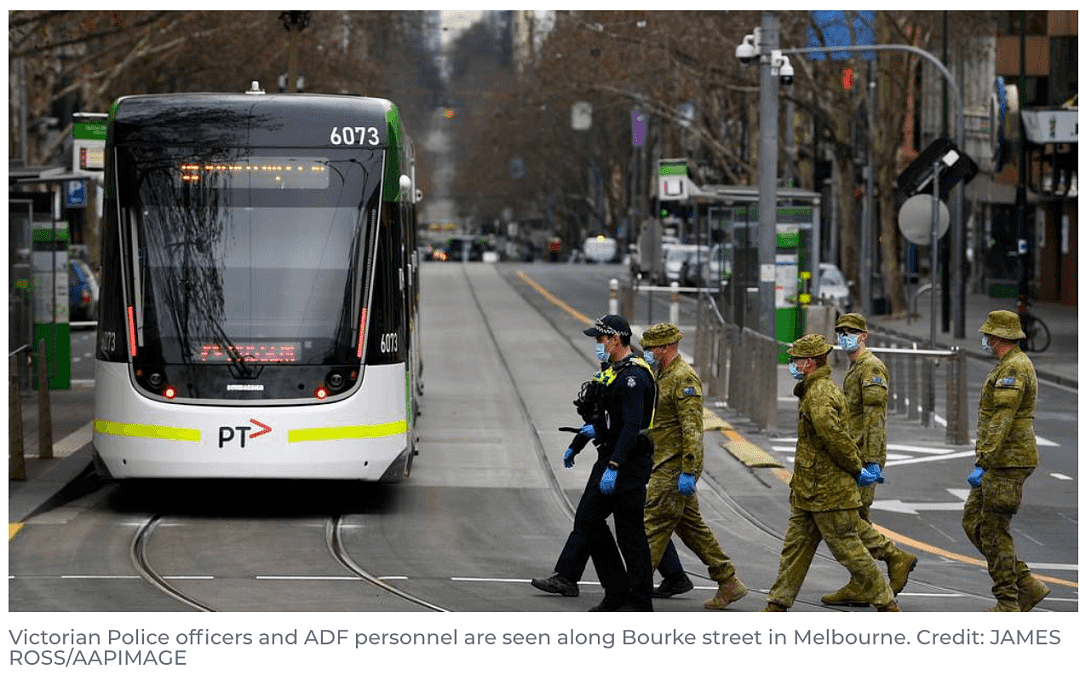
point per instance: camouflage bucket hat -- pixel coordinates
(1004, 324)
(809, 345)
(853, 321)
(659, 335)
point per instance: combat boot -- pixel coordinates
(848, 596)
(612, 603)
(899, 567)
(674, 585)
(557, 584)
(730, 591)
(1030, 592)
(1005, 606)
(774, 607)
(891, 607)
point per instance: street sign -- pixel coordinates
(919, 176)
(917, 218)
(75, 194)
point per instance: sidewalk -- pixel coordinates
(1057, 364)
(71, 411)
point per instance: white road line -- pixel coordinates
(1061, 476)
(270, 577)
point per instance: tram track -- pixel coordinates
(141, 562)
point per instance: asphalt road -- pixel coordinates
(488, 505)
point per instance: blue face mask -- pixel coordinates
(849, 343)
(795, 371)
(650, 358)
(601, 353)
(986, 345)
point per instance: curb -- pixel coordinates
(741, 449)
(41, 493)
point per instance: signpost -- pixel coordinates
(49, 264)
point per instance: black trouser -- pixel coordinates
(575, 555)
(632, 582)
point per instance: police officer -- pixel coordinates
(1005, 455)
(671, 502)
(616, 485)
(824, 486)
(866, 389)
(575, 552)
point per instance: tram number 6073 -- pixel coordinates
(354, 136)
(388, 343)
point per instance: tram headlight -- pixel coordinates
(321, 393)
(335, 380)
(170, 392)
(156, 380)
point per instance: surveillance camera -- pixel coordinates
(787, 73)
(746, 51)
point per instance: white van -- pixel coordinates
(599, 250)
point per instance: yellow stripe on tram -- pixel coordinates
(147, 431)
(340, 433)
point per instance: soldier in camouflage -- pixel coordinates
(866, 389)
(1005, 455)
(824, 486)
(671, 502)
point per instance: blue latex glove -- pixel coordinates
(568, 458)
(587, 431)
(975, 479)
(686, 484)
(875, 468)
(865, 478)
(607, 481)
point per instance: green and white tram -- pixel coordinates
(259, 303)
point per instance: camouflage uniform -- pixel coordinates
(824, 496)
(676, 433)
(866, 390)
(1006, 450)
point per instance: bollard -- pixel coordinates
(45, 443)
(673, 315)
(928, 393)
(613, 298)
(16, 456)
(956, 399)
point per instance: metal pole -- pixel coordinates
(767, 167)
(934, 259)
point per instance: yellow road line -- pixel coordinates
(785, 476)
(555, 301)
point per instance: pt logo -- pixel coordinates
(229, 434)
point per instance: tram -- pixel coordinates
(260, 301)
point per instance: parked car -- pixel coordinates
(832, 287)
(711, 271)
(83, 291)
(600, 250)
(676, 257)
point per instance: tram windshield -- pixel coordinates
(249, 255)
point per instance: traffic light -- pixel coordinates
(849, 79)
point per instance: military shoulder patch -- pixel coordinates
(876, 381)
(689, 391)
(1009, 382)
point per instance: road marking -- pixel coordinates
(933, 458)
(785, 476)
(1060, 476)
(555, 301)
(900, 506)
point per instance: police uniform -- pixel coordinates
(824, 495)
(866, 391)
(676, 433)
(627, 405)
(1005, 450)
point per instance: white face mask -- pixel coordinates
(601, 353)
(650, 357)
(848, 343)
(794, 370)
(986, 344)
